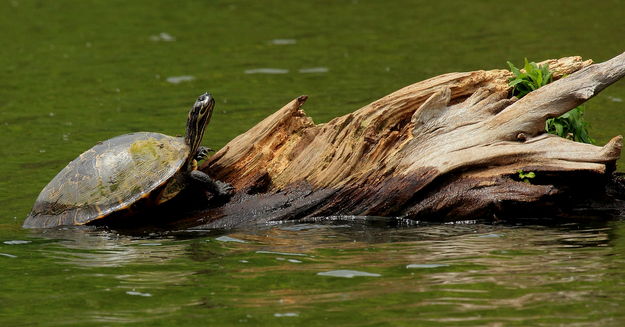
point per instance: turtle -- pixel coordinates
(115, 175)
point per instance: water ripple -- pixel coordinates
(314, 70)
(165, 37)
(347, 273)
(179, 79)
(267, 71)
(283, 41)
(229, 239)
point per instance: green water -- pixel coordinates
(73, 73)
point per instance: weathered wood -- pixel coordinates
(444, 148)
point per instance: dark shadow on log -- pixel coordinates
(588, 198)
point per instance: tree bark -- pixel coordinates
(447, 148)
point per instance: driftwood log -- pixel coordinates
(447, 148)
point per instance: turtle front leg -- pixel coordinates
(202, 153)
(216, 187)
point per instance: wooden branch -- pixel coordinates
(447, 147)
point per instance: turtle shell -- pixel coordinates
(108, 178)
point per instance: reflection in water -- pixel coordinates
(476, 274)
(466, 268)
(117, 270)
(97, 248)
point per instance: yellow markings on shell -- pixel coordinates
(152, 149)
(145, 148)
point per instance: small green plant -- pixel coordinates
(571, 125)
(525, 177)
(534, 77)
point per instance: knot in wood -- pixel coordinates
(521, 137)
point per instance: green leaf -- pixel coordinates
(559, 129)
(513, 69)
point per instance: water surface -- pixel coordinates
(74, 73)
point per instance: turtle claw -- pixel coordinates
(218, 188)
(225, 189)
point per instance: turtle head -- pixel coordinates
(199, 116)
